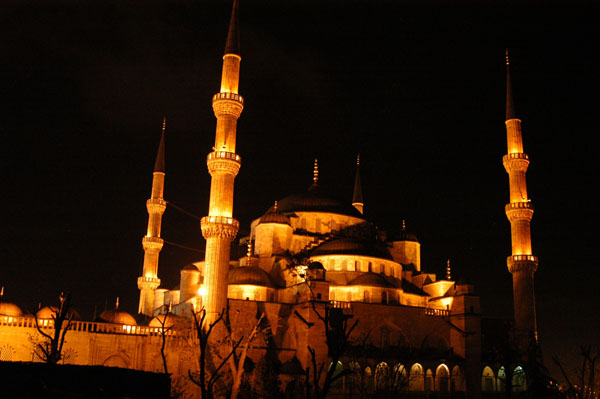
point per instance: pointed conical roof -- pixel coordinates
(357, 198)
(510, 105)
(159, 165)
(233, 35)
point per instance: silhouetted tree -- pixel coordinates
(583, 382)
(50, 349)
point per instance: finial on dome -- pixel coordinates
(403, 224)
(507, 60)
(316, 172)
(448, 274)
(117, 304)
(358, 160)
(275, 207)
(2, 291)
(357, 197)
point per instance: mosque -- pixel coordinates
(305, 254)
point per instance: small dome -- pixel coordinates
(48, 312)
(249, 275)
(403, 235)
(191, 267)
(352, 246)
(372, 280)
(10, 309)
(274, 217)
(169, 320)
(117, 316)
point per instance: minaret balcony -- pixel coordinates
(519, 211)
(156, 205)
(516, 161)
(148, 283)
(522, 263)
(223, 162)
(219, 226)
(227, 104)
(150, 243)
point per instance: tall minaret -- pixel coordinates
(151, 242)
(357, 198)
(219, 227)
(519, 211)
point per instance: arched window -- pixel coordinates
(370, 266)
(441, 378)
(332, 296)
(428, 381)
(400, 378)
(368, 381)
(384, 297)
(416, 378)
(519, 383)
(331, 264)
(487, 380)
(382, 268)
(349, 296)
(338, 369)
(367, 296)
(457, 381)
(501, 381)
(382, 376)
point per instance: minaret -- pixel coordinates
(151, 242)
(219, 227)
(357, 198)
(519, 211)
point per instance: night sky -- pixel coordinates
(418, 89)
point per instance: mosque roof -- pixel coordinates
(10, 309)
(352, 246)
(49, 312)
(372, 280)
(249, 275)
(315, 200)
(117, 316)
(274, 216)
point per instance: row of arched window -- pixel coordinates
(491, 382)
(385, 378)
(355, 265)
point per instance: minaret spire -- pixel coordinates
(522, 264)
(148, 282)
(357, 198)
(510, 104)
(232, 46)
(219, 228)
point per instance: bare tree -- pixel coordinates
(337, 335)
(238, 360)
(50, 349)
(583, 382)
(208, 377)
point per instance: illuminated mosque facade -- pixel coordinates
(305, 253)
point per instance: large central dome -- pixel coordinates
(315, 200)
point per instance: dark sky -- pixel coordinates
(417, 89)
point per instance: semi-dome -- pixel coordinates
(372, 280)
(10, 309)
(249, 275)
(352, 246)
(191, 267)
(315, 200)
(315, 266)
(49, 312)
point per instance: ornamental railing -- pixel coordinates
(224, 155)
(228, 96)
